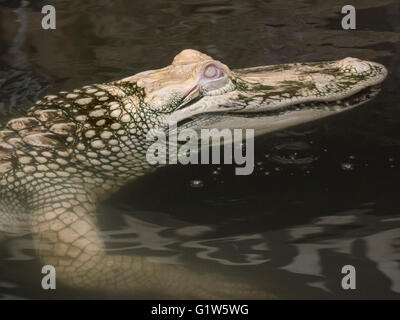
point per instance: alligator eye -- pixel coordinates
(212, 72)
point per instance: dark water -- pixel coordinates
(322, 196)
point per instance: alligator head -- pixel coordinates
(197, 91)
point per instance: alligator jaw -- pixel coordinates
(272, 120)
(276, 97)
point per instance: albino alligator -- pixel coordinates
(75, 148)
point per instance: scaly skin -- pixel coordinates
(74, 149)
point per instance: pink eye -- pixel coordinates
(212, 72)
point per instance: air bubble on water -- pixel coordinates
(196, 183)
(347, 166)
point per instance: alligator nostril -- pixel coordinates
(354, 64)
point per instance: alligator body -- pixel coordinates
(75, 148)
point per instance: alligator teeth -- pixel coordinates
(375, 88)
(337, 108)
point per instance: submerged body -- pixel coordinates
(75, 148)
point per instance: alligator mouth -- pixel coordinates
(356, 99)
